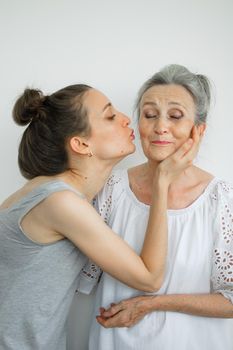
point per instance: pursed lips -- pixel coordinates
(132, 135)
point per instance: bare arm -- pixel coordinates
(75, 219)
(128, 312)
(154, 249)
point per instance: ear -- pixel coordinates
(79, 145)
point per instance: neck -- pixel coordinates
(148, 169)
(89, 178)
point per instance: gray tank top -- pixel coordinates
(37, 281)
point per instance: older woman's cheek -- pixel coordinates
(183, 132)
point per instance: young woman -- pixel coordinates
(73, 139)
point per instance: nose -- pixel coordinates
(161, 126)
(125, 120)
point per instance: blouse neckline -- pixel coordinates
(197, 202)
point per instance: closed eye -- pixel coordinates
(148, 116)
(111, 117)
(175, 113)
(176, 116)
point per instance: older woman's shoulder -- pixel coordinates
(216, 187)
(222, 191)
(225, 186)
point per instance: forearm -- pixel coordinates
(207, 305)
(130, 311)
(154, 251)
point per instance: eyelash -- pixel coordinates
(112, 117)
(148, 116)
(178, 117)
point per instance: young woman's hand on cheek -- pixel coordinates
(170, 168)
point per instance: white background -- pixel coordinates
(114, 46)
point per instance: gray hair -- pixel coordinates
(197, 85)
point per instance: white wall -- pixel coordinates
(114, 46)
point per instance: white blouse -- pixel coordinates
(200, 260)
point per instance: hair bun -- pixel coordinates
(29, 107)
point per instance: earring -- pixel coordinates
(90, 154)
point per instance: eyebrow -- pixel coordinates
(106, 106)
(150, 103)
(169, 103)
(176, 103)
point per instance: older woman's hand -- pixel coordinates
(126, 313)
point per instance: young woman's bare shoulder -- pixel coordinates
(64, 200)
(65, 207)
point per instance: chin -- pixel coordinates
(159, 156)
(130, 149)
(133, 148)
(123, 153)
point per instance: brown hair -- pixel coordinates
(52, 120)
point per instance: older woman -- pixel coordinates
(194, 304)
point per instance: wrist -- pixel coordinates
(149, 303)
(161, 180)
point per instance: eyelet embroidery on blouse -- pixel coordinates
(91, 271)
(214, 196)
(225, 186)
(112, 180)
(214, 193)
(104, 210)
(227, 224)
(224, 267)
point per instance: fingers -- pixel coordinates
(197, 132)
(180, 160)
(186, 146)
(196, 137)
(113, 310)
(101, 320)
(124, 314)
(110, 322)
(120, 320)
(101, 310)
(190, 147)
(180, 153)
(106, 323)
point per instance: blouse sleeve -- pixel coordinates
(103, 203)
(222, 268)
